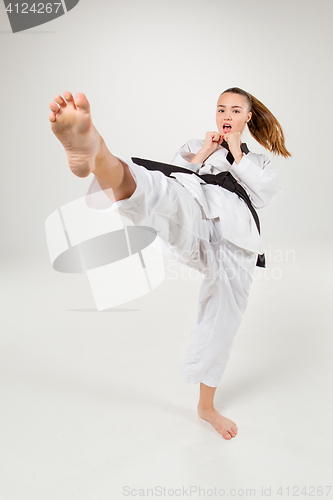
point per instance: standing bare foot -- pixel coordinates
(227, 428)
(72, 124)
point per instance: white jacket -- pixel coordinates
(254, 172)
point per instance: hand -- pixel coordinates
(211, 142)
(234, 142)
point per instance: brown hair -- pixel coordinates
(263, 125)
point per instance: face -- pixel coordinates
(232, 113)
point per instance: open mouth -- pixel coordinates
(226, 128)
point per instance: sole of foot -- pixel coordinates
(71, 123)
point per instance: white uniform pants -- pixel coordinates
(163, 203)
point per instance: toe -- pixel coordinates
(52, 117)
(55, 108)
(82, 102)
(69, 99)
(60, 100)
(68, 96)
(226, 435)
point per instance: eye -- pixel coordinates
(220, 110)
(236, 111)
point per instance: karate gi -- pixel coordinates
(209, 229)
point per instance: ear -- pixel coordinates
(248, 118)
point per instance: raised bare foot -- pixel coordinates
(227, 428)
(71, 123)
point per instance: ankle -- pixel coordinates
(202, 406)
(102, 153)
(104, 161)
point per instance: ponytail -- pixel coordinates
(263, 125)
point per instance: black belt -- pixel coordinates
(223, 179)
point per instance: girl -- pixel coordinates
(203, 209)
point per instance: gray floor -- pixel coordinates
(93, 406)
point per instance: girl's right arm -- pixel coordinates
(194, 161)
(185, 155)
(211, 143)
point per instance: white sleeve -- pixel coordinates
(185, 154)
(259, 178)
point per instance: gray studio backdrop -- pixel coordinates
(93, 401)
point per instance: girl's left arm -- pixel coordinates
(259, 177)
